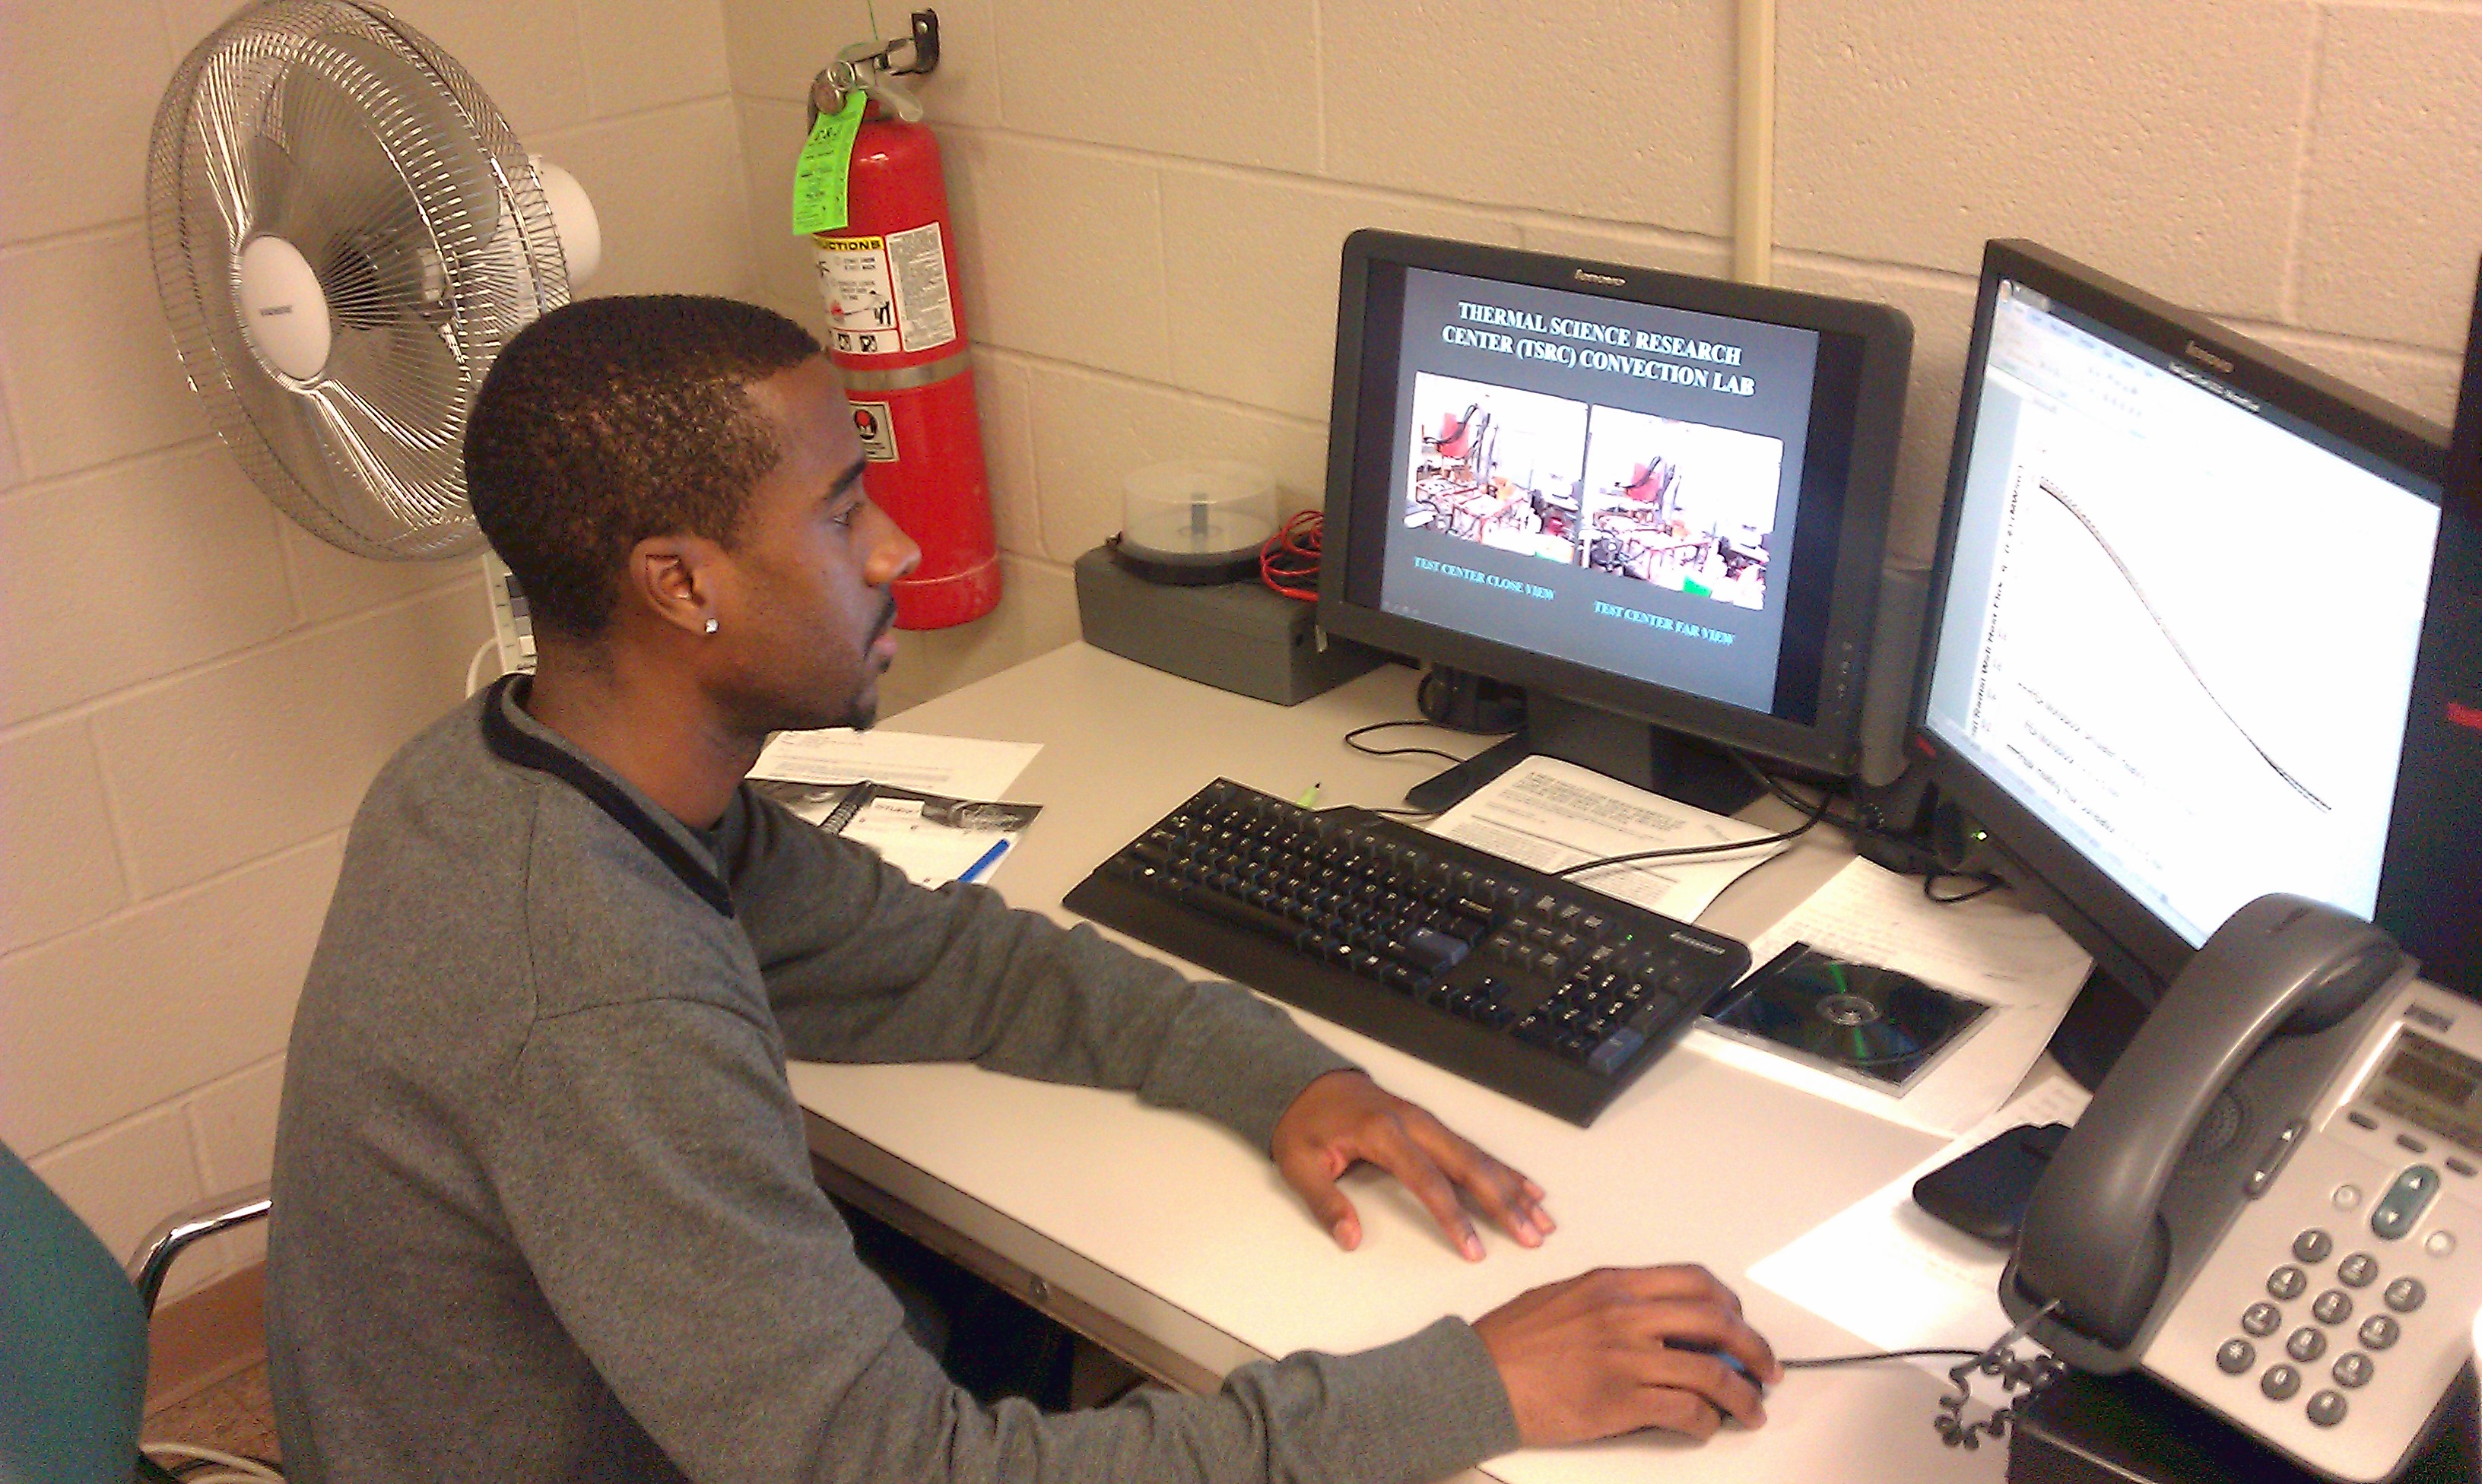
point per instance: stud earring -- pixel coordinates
(710, 626)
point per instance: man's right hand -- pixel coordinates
(1625, 1348)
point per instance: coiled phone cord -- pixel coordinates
(2021, 1379)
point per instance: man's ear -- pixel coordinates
(676, 579)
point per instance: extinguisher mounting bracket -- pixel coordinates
(872, 67)
(922, 49)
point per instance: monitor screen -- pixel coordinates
(2179, 598)
(1626, 488)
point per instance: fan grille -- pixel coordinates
(336, 126)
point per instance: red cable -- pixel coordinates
(1288, 561)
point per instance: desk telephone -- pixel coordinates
(2273, 1203)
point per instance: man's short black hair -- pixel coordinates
(612, 419)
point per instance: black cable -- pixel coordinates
(1819, 811)
(1759, 865)
(1395, 752)
(1722, 848)
(1990, 884)
(1870, 1357)
(1931, 878)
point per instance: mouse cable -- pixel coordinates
(1871, 1357)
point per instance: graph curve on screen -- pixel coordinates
(2137, 590)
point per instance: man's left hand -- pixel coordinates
(1345, 1118)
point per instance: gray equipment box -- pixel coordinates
(1237, 636)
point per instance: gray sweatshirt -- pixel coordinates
(542, 1207)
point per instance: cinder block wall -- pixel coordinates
(193, 692)
(1151, 195)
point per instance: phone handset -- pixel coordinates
(2094, 1238)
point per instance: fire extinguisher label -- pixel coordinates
(885, 295)
(923, 312)
(862, 302)
(877, 429)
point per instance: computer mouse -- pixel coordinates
(1721, 1354)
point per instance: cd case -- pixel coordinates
(1873, 1024)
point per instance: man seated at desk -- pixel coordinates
(542, 1206)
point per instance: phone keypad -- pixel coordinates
(2309, 1343)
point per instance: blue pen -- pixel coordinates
(983, 867)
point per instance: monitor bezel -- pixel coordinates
(1831, 743)
(2128, 941)
(2427, 893)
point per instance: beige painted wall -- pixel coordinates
(1149, 195)
(193, 692)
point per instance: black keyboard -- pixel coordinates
(1536, 986)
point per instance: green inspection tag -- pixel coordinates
(826, 165)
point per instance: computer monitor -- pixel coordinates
(2174, 619)
(2430, 893)
(1655, 501)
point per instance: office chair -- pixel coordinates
(1452, 440)
(74, 1331)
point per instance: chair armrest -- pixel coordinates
(155, 1254)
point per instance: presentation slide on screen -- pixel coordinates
(2182, 633)
(1612, 483)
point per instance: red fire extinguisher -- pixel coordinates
(896, 333)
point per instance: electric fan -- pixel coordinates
(346, 232)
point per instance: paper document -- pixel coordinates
(2012, 960)
(957, 767)
(930, 836)
(1897, 1276)
(1548, 815)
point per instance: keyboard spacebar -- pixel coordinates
(1240, 914)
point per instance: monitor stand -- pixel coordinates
(2100, 1023)
(1634, 752)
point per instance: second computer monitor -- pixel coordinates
(2178, 601)
(1657, 503)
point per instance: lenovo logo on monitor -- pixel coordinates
(2198, 352)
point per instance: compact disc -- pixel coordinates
(1863, 1019)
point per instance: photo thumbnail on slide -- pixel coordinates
(1681, 506)
(1497, 466)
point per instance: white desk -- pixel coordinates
(1165, 1238)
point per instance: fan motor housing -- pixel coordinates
(283, 310)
